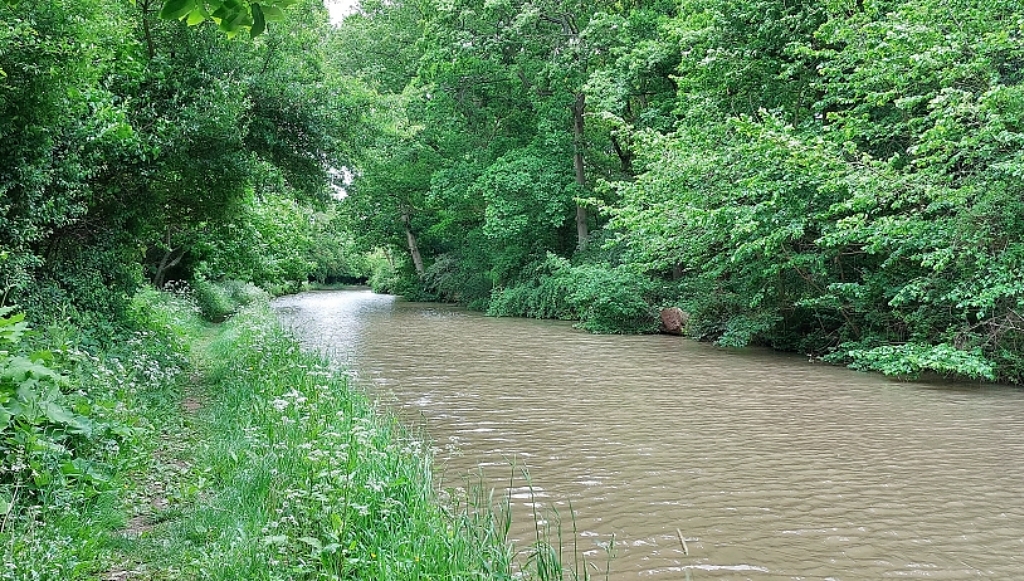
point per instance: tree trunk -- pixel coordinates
(578, 108)
(168, 262)
(150, 47)
(414, 249)
(625, 157)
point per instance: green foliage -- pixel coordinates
(833, 182)
(458, 280)
(213, 300)
(216, 301)
(602, 299)
(543, 295)
(42, 430)
(384, 277)
(244, 294)
(910, 360)
(129, 144)
(612, 300)
(86, 417)
(231, 16)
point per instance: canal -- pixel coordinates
(769, 466)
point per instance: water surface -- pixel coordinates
(771, 467)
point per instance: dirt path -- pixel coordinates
(164, 491)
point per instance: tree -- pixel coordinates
(126, 140)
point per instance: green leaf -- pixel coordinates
(174, 9)
(234, 21)
(42, 356)
(22, 369)
(259, 24)
(272, 13)
(196, 16)
(5, 417)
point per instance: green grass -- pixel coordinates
(305, 478)
(243, 457)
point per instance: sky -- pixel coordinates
(339, 8)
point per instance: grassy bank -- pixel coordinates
(305, 479)
(226, 452)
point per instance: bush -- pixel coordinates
(65, 411)
(612, 299)
(41, 428)
(910, 360)
(454, 280)
(243, 294)
(542, 295)
(602, 298)
(82, 414)
(396, 276)
(384, 277)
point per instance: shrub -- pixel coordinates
(243, 294)
(910, 360)
(612, 299)
(542, 295)
(384, 277)
(602, 298)
(454, 280)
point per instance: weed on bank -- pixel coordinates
(309, 480)
(200, 452)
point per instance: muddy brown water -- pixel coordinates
(771, 467)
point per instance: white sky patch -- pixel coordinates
(339, 9)
(341, 178)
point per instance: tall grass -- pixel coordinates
(228, 453)
(309, 480)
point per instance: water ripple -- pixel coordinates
(771, 467)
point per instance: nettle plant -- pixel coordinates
(40, 427)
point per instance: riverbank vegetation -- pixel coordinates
(204, 451)
(835, 178)
(838, 178)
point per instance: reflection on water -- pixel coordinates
(769, 466)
